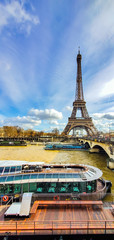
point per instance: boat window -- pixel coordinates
(8, 188)
(43, 187)
(55, 175)
(69, 175)
(18, 168)
(75, 184)
(12, 169)
(76, 189)
(91, 186)
(6, 170)
(3, 179)
(76, 175)
(1, 189)
(63, 187)
(18, 177)
(51, 190)
(1, 169)
(10, 178)
(48, 176)
(62, 175)
(82, 187)
(25, 187)
(27, 176)
(53, 184)
(33, 176)
(41, 175)
(17, 188)
(39, 189)
(33, 187)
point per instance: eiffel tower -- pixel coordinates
(83, 122)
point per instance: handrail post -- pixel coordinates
(34, 227)
(105, 227)
(88, 227)
(16, 228)
(52, 227)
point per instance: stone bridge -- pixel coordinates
(106, 146)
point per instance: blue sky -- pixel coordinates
(39, 42)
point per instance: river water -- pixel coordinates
(37, 153)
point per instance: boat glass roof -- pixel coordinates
(11, 171)
(38, 176)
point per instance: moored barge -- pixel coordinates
(56, 182)
(59, 146)
(12, 143)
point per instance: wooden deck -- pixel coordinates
(61, 217)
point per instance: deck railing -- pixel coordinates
(56, 227)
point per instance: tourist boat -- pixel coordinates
(68, 181)
(64, 147)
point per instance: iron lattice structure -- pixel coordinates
(83, 122)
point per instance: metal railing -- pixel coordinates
(56, 227)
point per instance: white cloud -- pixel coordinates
(101, 125)
(33, 119)
(104, 125)
(24, 122)
(60, 126)
(104, 121)
(53, 122)
(99, 26)
(108, 116)
(110, 109)
(69, 108)
(46, 114)
(101, 85)
(107, 88)
(14, 12)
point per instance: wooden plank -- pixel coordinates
(34, 207)
(73, 203)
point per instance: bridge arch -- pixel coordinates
(87, 145)
(101, 148)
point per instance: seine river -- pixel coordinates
(37, 153)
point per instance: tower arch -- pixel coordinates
(85, 127)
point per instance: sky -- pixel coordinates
(39, 42)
